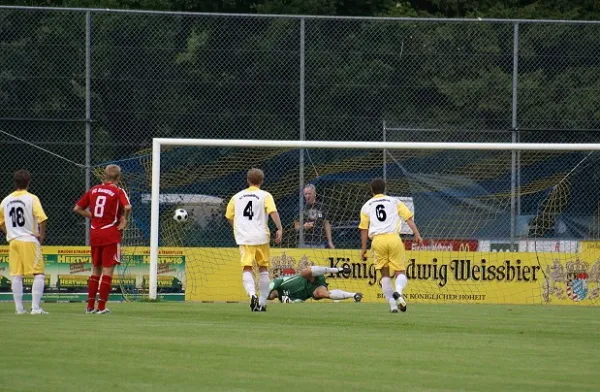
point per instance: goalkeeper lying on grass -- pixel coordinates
(310, 283)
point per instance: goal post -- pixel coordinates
(552, 194)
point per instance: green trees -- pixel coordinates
(516, 9)
(176, 75)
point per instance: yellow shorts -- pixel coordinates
(388, 251)
(259, 253)
(25, 258)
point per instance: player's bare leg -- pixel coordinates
(105, 286)
(336, 294)
(401, 282)
(321, 292)
(93, 284)
(388, 290)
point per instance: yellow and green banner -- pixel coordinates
(434, 276)
(449, 276)
(68, 268)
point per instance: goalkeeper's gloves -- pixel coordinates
(285, 299)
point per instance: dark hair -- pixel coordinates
(22, 179)
(377, 186)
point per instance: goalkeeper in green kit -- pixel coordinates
(310, 283)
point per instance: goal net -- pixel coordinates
(496, 229)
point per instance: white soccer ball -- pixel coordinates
(180, 215)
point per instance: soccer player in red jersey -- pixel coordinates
(108, 207)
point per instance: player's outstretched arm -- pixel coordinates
(275, 217)
(2, 223)
(307, 225)
(230, 212)
(83, 212)
(272, 295)
(364, 236)
(124, 218)
(42, 233)
(411, 223)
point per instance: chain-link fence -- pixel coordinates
(92, 86)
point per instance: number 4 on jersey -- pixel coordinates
(248, 210)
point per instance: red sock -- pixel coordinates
(104, 291)
(93, 284)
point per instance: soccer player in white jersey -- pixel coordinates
(23, 220)
(248, 212)
(380, 221)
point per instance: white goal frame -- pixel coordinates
(157, 143)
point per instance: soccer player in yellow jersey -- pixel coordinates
(380, 221)
(23, 220)
(248, 212)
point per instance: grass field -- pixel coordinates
(301, 347)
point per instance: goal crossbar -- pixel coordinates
(376, 145)
(297, 144)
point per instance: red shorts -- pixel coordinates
(106, 255)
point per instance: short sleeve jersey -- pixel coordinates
(106, 202)
(250, 211)
(21, 212)
(381, 215)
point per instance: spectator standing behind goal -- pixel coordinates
(248, 212)
(23, 220)
(380, 221)
(109, 210)
(315, 221)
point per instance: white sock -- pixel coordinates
(340, 294)
(388, 291)
(263, 286)
(17, 290)
(37, 290)
(248, 281)
(319, 271)
(401, 282)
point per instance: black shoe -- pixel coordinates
(263, 308)
(394, 311)
(254, 304)
(401, 301)
(358, 297)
